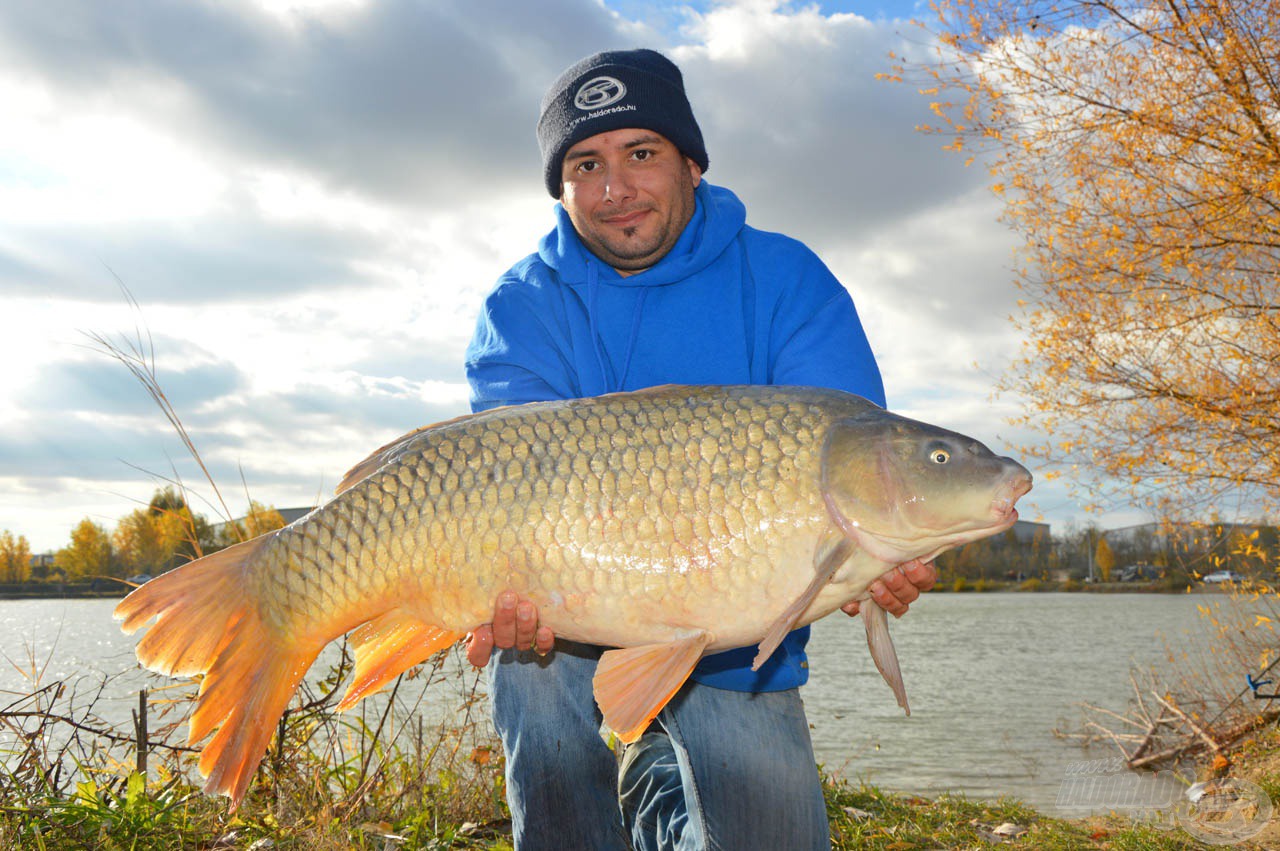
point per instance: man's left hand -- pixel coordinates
(899, 588)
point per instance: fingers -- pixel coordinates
(480, 646)
(922, 574)
(526, 624)
(896, 590)
(504, 620)
(515, 624)
(889, 591)
(543, 641)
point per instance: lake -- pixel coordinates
(989, 677)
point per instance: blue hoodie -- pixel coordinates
(728, 304)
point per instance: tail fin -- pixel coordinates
(207, 624)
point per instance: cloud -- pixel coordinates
(309, 200)
(212, 258)
(803, 131)
(410, 102)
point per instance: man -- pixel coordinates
(651, 276)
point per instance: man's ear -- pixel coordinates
(695, 171)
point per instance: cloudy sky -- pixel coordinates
(309, 198)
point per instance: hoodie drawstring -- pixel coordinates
(612, 383)
(757, 367)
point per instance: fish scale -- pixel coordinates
(668, 523)
(474, 515)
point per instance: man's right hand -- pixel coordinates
(515, 624)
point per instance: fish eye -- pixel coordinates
(939, 456)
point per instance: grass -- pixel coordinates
(864, 817)
(377, 777)
(174, 815)
(382, 780)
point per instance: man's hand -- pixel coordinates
(515, 624)
(899, 588)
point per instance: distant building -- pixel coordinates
(292, 514)
(1186, 537)
(288, 514)
(1026, 532)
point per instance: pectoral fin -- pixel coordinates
(882, 652)
(831, 552)
(633, 684)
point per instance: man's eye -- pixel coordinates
(587, 167)
(642, 154)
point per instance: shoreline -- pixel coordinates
(64, 591)
(119, 589)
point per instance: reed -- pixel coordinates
(379, 778)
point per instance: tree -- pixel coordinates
(1137, 147)
(15, 557)
(198, 536)
(1104, 559)
(259, 520)
(89, 553)
(149, 541)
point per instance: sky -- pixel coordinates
(296, 207)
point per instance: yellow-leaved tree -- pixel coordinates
(15, 557)
(88, 554)
(159, 537)
(148, 542)
(259, 520)
(1104, 559)
(1137, 147)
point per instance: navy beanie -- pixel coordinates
(610, 91)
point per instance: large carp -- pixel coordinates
(670, 523)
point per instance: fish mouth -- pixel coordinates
(1005, 514)
(1003, 506)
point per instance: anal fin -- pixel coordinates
(389, 645)
(634, 683)
(882, 652)
(831, 552)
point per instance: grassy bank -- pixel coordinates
(386, 780)
(173, 815)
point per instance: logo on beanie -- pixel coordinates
(599, 92)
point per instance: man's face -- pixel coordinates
(629, 194)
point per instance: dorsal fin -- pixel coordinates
(392, 450)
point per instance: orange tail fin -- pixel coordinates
(207, 624)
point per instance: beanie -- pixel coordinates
(610, 91)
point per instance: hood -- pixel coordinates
(717, 218)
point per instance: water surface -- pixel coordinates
(989, 677)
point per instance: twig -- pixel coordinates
(1199, 731)
(109, 735)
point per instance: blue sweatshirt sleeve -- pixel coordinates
(515, 355)
(816, 337)
(831, 350)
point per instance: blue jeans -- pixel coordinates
(717, 770)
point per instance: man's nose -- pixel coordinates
(618, 186)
